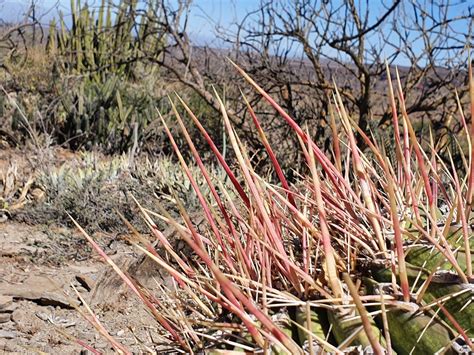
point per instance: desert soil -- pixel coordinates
(39, 266)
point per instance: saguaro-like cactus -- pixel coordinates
(109, 40)
(106, 49)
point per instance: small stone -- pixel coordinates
(3, 217)
(102, 345)
(120, 333)
(9, 309)
(5, 317)
(20, 316)
(8, 334)
(5, 302)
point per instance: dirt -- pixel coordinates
(42, 263)
(39, 311)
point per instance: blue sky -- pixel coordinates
(218, 10)
(205, 14)
(223, 11)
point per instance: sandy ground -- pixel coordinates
(37, 302)
(40, 264)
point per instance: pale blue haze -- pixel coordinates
(205, 16)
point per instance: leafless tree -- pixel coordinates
(183, 61)
(17, 37)
(305, 48)
(300, 50)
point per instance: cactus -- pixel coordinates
(2, 105)
(100, 48)
(98, 44)
(106, 113)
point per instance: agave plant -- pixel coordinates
(364, 253)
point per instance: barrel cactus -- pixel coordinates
(365, 254)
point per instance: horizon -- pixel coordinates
(207, 17)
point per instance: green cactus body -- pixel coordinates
(315, 325)
(418, 333)
(459, 305)
(344, 326)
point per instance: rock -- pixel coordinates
(110, 287)
(39, 289)
(8, 334)
(5, 317)
(10, 308)
(84, 269)
(26, 322)
(5, 302)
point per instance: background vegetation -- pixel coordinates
(93, 78)
(338, 213)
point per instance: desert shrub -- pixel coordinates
(78, 112)
(32, 75)
(93, 188)
(26, 92)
